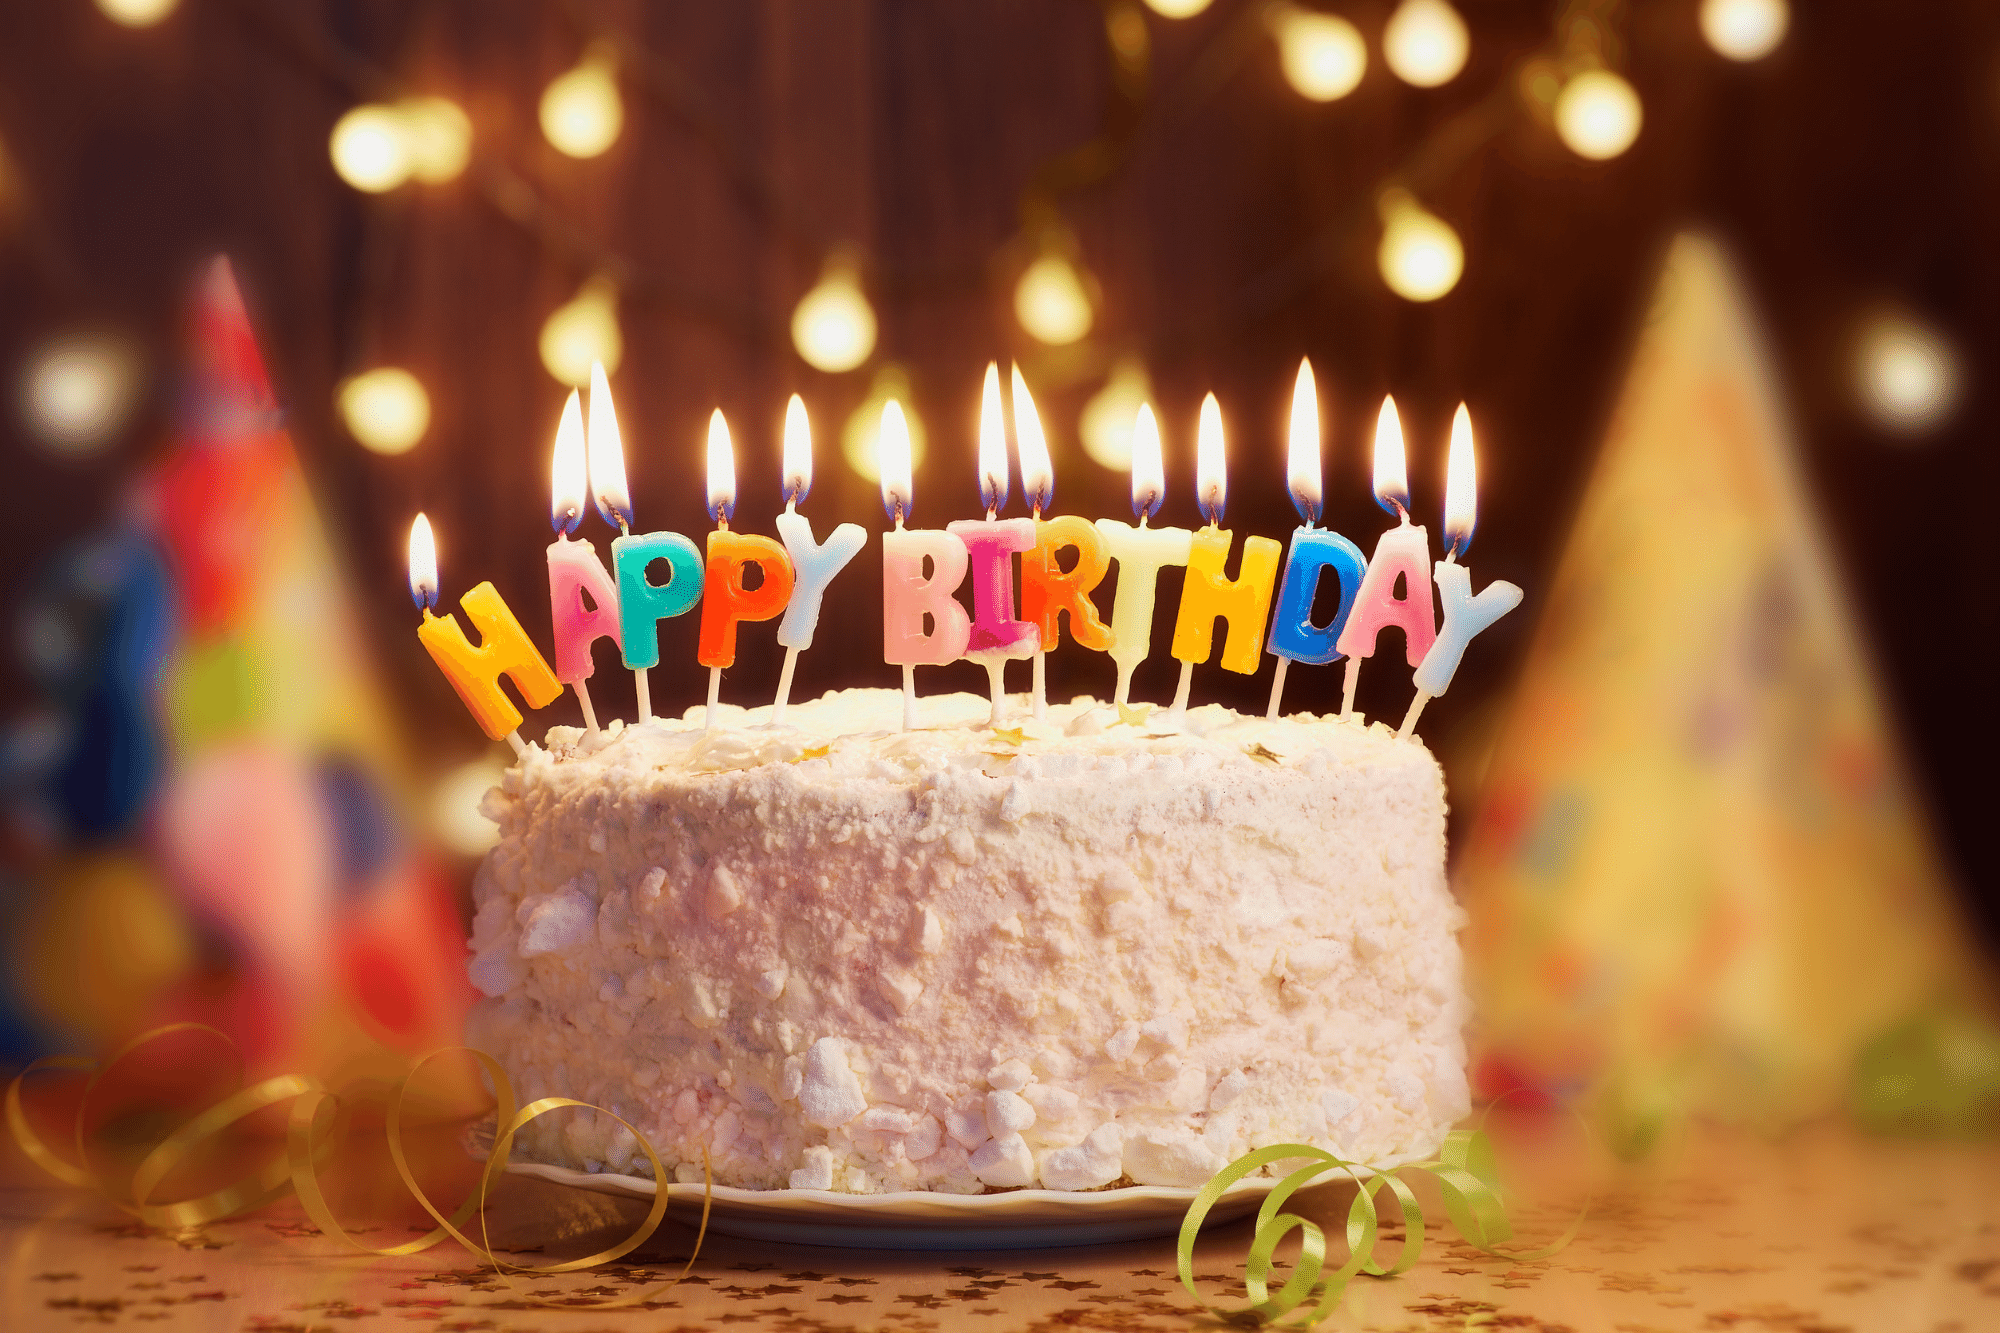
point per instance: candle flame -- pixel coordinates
(423, 565)
(1461, 486)
(607, 454)
(1038, 474)
(1149, 471)
(566, 469)
(892, 461)
(1211, 470)
(1392, 474)
(1302, 466)
(721, 470)
(798, 479)
(993, 482)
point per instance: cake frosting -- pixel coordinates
(1075, 953)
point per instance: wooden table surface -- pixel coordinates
(1821, 1231)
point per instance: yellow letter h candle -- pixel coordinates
(504, 650)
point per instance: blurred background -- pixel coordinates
(1713, 277)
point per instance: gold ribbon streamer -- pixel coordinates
(1464, 1169)
(310, 1137)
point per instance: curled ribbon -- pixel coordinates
(1464, 1170)
(317, 1122)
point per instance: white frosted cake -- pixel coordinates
(1073, 954)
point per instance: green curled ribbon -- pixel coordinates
(1465, 1170)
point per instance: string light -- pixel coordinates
(582, 112)
(1420, 257)
(1051, 302)
(1322, 55)
(385, 409)
(583, 331)
(455, 807)
(864, 425)
(1425, 43)
(1106, 426)
(1744, 29)
(1177, 9)
(1906, 374)
(369, 149)
(834, 326)
(437, 138)
(78, 391)
(1598, 115)
(137, 13)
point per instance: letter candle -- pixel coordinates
(574, 569)
(991, 543)
(907, 596)
(725, 599)
(1404, 551)
(1046, 589)
(1206, 593)
(1464, 614)
(1141, 553)
(814, 565)
(1294, 638)
(504, 648)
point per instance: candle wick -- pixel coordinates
(991, 513)
(791, 504)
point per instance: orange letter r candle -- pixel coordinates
(725, 601)
(504, 650)
(1047, 590)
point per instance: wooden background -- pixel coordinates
(1855, 166)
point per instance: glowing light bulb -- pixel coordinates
(1392, 473)
(1051, 302)
(1322, 55)
(1425, 43)
(1177, 9)
(860, 437)
(437, 138)
(582, 332)
(1420, 256)
(1461, 485)
(834, 326)
(455, 807)
(137, 13)
(893, 462)
(1302, 463)
(1598, 115)
(605, 445)
(385, 409)
(1211, 468)
(369, 149)
(1149, 469)
(582, 112)
(78, 391)
(1906, 374)
(1745, 29)
(798, 478)
(1106, 426)
(721, 469)
(1038, 474)
(423, 564)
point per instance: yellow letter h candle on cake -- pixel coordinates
(1206, 593)
(726, 600)
(1141, 553)
(995, 637)
(504, 648)
(1402, 552)
(1047, 589)
(574, 569)
(907, 596)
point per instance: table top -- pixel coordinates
(1821, 1230)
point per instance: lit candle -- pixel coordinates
(813, 565)
(1401, 552)
(1464, 614)
(1206, 593)
(574, 568)
(996, 636)
(907, 596)
(1294, 638)
(504, 648)
(1141, 552)
(642, 604)
(725, 600)
(1048, 590)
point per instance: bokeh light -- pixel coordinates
(1425, 43)
(455, 803)
(369, 149)
(1421, 257)
(864, 424)
(1906, 374)
(137, 13)
(385, 409)
(1106, 426)
(1745, 29)
(582, 112)
(437, 138)
(1051, 301)
(1598, 115)
(78, 391)
(833, 326)
(583, 330)
(1177, 9)
(1322, 55)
